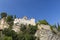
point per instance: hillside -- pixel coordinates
(12, 28)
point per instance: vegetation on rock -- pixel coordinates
(43, 22)
(27, 31)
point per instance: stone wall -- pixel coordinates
(24, 21)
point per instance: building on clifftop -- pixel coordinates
(25, 21)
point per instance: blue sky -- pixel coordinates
(38, 9)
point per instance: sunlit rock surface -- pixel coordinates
(44, 33)
(3, 24)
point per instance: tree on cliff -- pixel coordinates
(43, 22)
(3, 14)
(10, 20)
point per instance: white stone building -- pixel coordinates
(25, 21)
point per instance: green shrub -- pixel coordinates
(7, 38)
(3, 14)
(43, 22)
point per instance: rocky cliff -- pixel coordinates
(44, 33)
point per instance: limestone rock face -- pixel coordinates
(3, 24)
(45, 34)
(16, 28)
